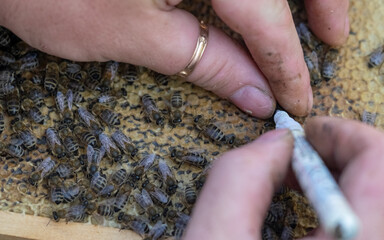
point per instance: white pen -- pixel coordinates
(317, 183)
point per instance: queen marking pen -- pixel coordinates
(335, 214)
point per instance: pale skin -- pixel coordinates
(240, 186)
(237, 194)
(158, 35)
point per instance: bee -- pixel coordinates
(57, 195)
(190, 195)
(29, 140)
(158, 194)
(376, 58)
(51, 77)
(27, 62)
(329, 64)
(119, 177)
(139, 226)
(312, 61)
(88, 118)
(69, 97)
(94, 71)
(56, 215)
(85, 136)
(124, 143)
(2, 121)
(210, 130)
(151, 110)
(105, 210)
(20, 48)
(269, 234)
(110, 71)
(7, 76)
(107, 100)
(158, 230)
(69, 142)
(13, 104)
(274, 213)
(176, 107)
(6, 58)
(110, 148)
(77, 97)
(34, 179)
(368, 118)
(120, 201)
(76, 86)
(64, 170)
(145, 201)
(190, 157)
(76, 213)
(4, 37)
(46, 167)
(62, 106)
(36, 115)
(129, 74)
(54, 143)
(13, 150)
(199, 182)
(98, 182)
(307, 37)
(6, 88)
(36, 79)
(37, 96)
(72, 71)
(106, 115)
(168, 178)
(94, 157)
(161, 79)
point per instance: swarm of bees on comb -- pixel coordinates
(122, 146)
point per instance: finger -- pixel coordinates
(357, 149)
(344, 139)
(269, 32)
(152, 34)
(329, 20)
(239, 189)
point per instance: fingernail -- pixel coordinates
(254, 101)
(275, 135)
(346, 27)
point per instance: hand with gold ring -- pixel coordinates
(158, 35)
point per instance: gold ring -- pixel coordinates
(201, 45)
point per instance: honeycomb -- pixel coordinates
(355, 89)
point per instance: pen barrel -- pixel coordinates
(321, 189)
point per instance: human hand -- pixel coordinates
(237, 194)
(161, 37)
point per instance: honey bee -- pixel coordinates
(77, 97)
(76, 213)
(6, 88)
(69, 142)
(190, 195)
(98, 182)
(6, 58)
(46, 167)
(20, 48)
(37, 96)
(110, 148)
(2, 121)
(63, 107)
(268, 233)
(7, 76)
(329, 64)
(161, 79)
(4, 37)
(274, 213)
(85, 136)
(64, 170)
(12, 149)
(94, 157)
(105, 210)
(29, 140)
(94, 71)
(368, 117)
(119, 177)
(13, 104)
(51, 77)
(129, 74)
(151, 110)
(312, 61)
(124, 143)
(158, 230)
(27, 62)
(54, 143)
(107, 100)
(120, 201)
(36, 115)
(76, 86)
(190, 157)
(157, 194)
(65, 195)
(139, 226)
(176, 107)
(376, 58)
(168, 178)
(307, 37)
(106, 115)
(145, 201)
(72, 71)
(110, 71)
(210, 130)
(57, 195)
(88, 118)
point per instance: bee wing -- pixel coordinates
(60, 100)
(159, 195)
(90, 152)
(69, 96)
(148, 161)
(146, 198)
(164, 169)
(16, 140)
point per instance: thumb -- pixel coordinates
(239, 189)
